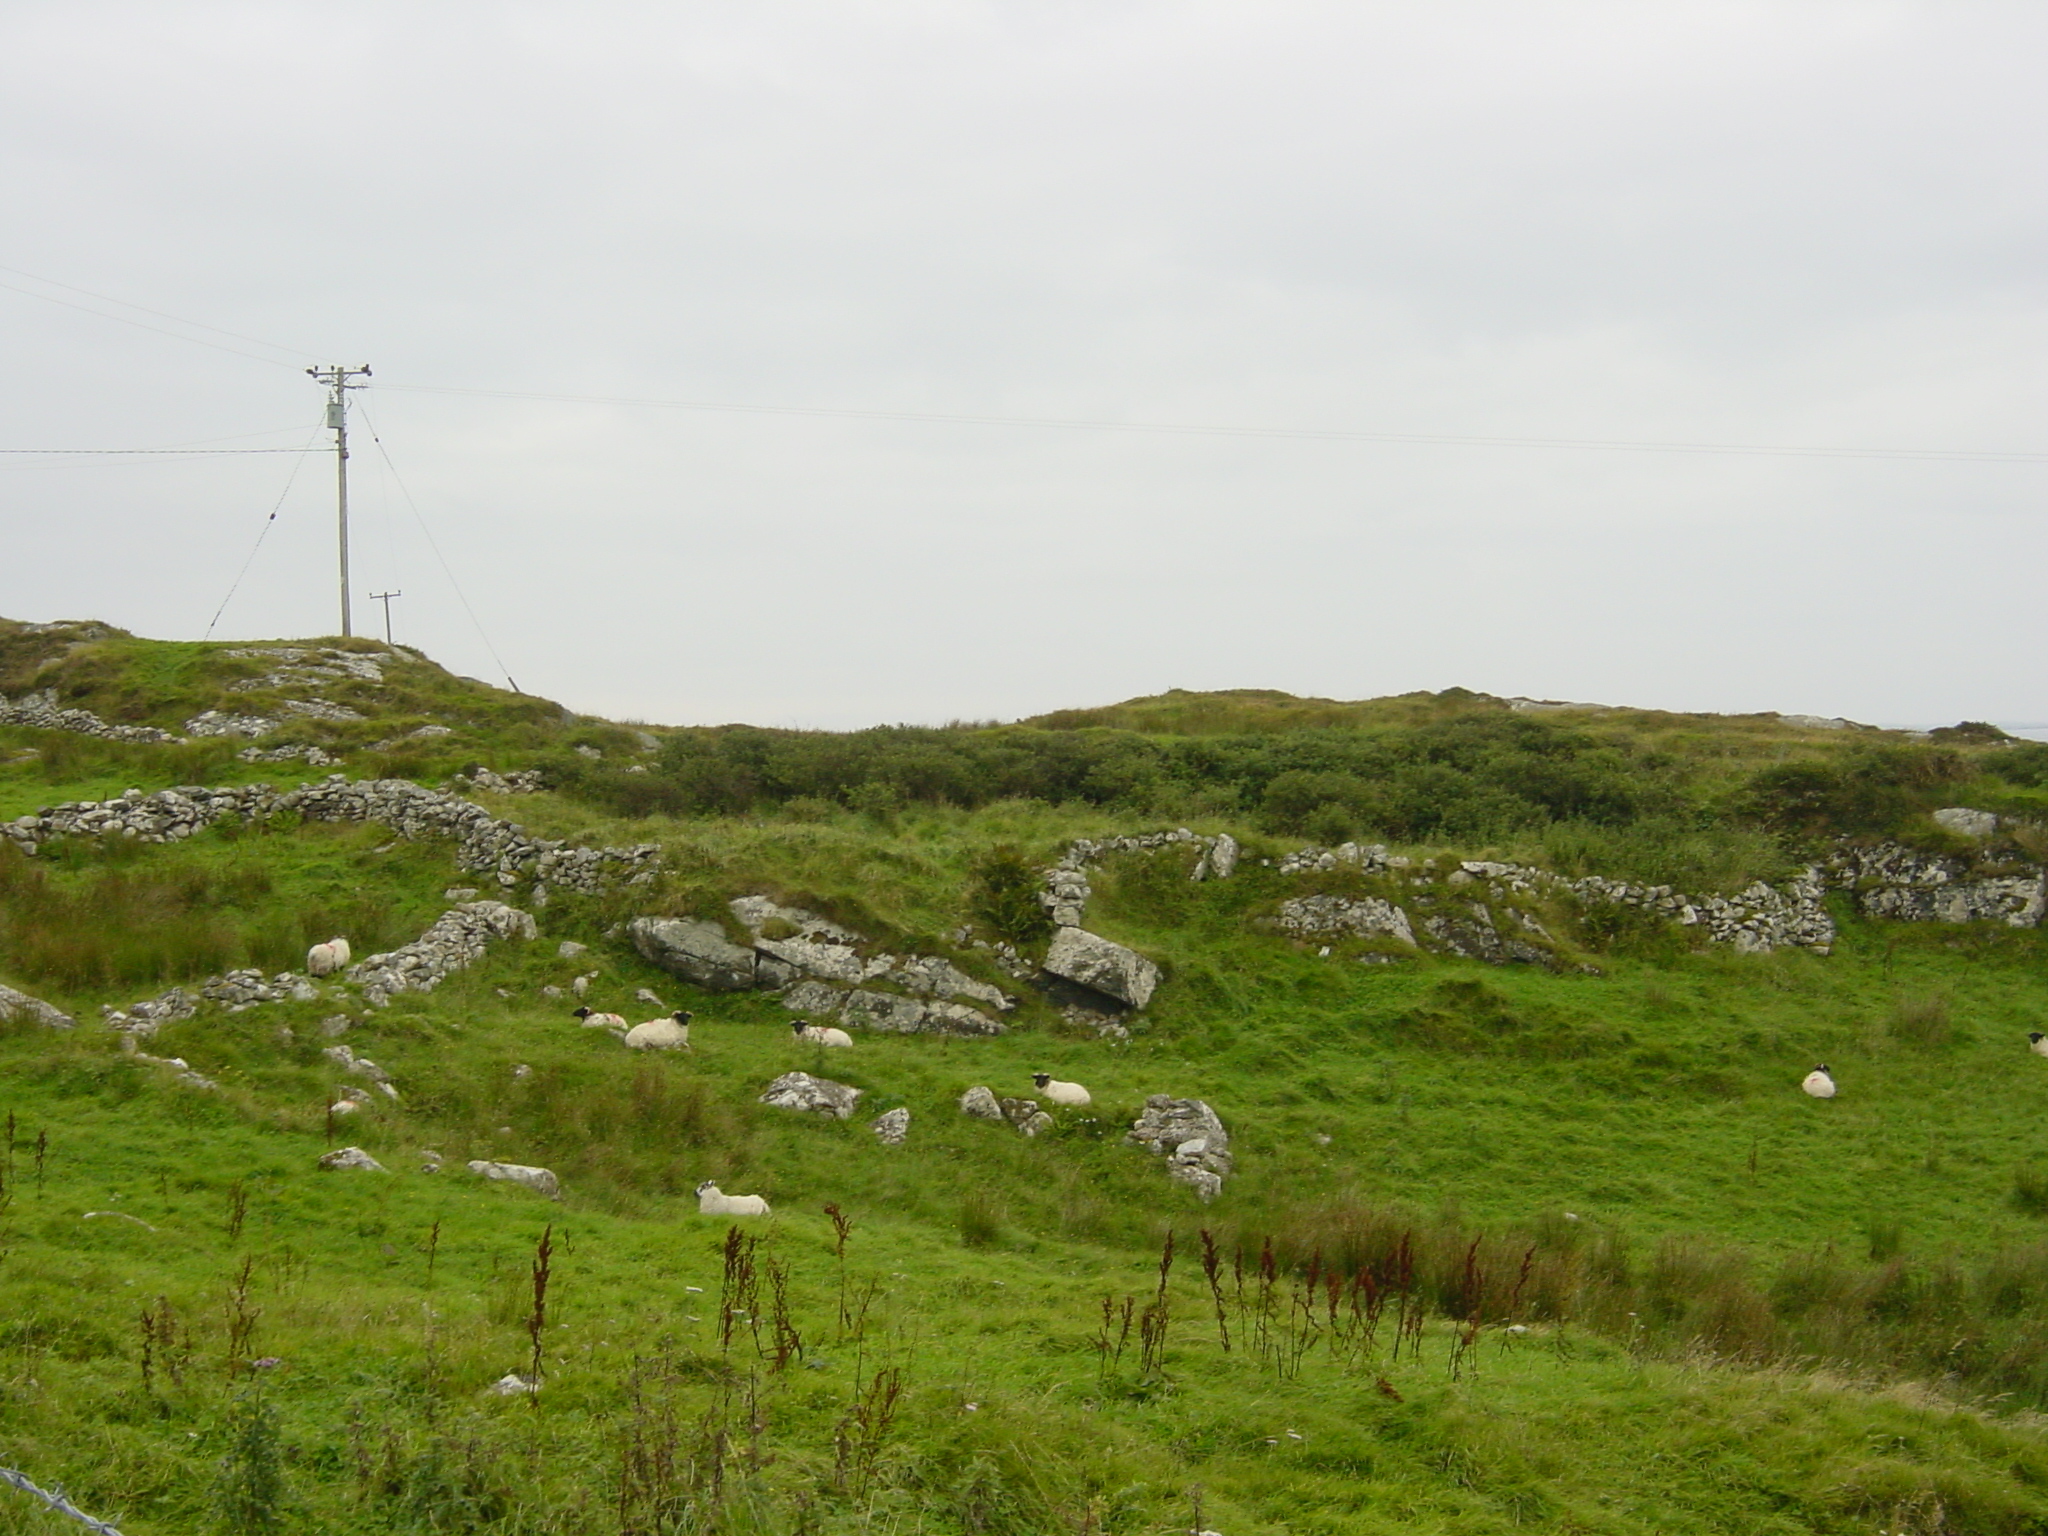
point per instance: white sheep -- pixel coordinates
(593, 1020)
(820, 1034)
(669, 1034)
(1073, 1095)
(321, 960)
(342, 953)
(712, 1202)
(1819, 1083)
(2038, 1043)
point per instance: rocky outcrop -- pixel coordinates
(697, 951)
(892, 1128)
(541, 1181)
(1367, 917)
(1890, 880)
(19, 1005)
(1088, 960)
(1190, 1136)
(812, 1095)
(821, 969)
(1964, 822)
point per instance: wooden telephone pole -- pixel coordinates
(337, 381)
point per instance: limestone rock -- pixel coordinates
(977, 1103)
(813, 1095)
(568, 949)
(1366, 916)
(19, 1005)
(695, 950)
(757, 912)
(892, 1127)
(1219, 862)
(351, 1157)
(540, 1180)
(1975, 825)
(512, 1384)
(1191, 1137)
(1102, 966)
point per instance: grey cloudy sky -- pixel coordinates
(1806, 224)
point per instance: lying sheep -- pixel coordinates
(819, 1034)
(712, 1202)
(1819, 1083)
(2038, 1043)
(669, 1034)
(1073, 1095)
(592, 1020)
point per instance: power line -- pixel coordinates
(435, 546)
(196, 341)
(107, 298)
(1305, 434)
(189, 453)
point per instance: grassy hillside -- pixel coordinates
(1505, 1248)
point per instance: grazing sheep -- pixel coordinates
(592, 1020)
(669, 1034)
(712, 1202)
(2038, 1043)
(1073, 1095)
(820, 1034)
(342, 953)
(321, 960)
(1819, 1083)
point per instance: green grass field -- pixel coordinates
(1505, 1249)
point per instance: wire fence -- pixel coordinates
(56, 1500)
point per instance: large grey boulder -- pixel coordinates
(813, 1095)
(1191, 1137)
(695, 950)
(19, 1005)
(808, 957)
(540, 1180)
(1094, 962)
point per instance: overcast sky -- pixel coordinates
(1802, 224)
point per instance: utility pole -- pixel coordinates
(385, 599)
(337, 381)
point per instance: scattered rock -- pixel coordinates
(569, 949)
(351, 1157)
(512, 1384)
(1190, 1136)
(979, 1103)
(892, 1127)
(815, 1095)
(540, 1180)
